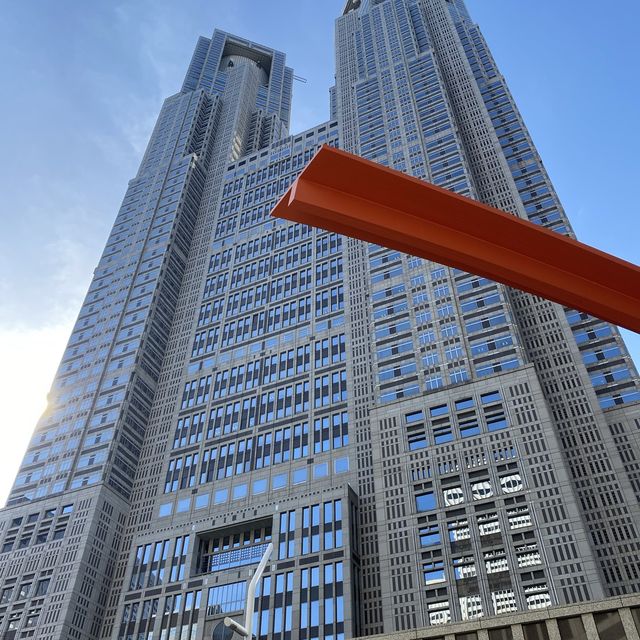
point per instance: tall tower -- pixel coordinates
(417, 90)
(421, 445)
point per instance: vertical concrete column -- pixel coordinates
(552, 629)
(517, 632)
(590, 627)
(629, 625)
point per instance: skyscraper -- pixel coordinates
(421, 445)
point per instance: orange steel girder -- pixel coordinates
(344, 193)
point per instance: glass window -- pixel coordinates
(609, 625)
(31, 620)
(299, 476)
(165, 509)
(481, 490)
(259, 486)
(469, 426)
(58, 534)
(488, 398)
(417, 441)
(341, 465)
(571, 629)
(431, 359)
(488, 524)
(279, 481)
(321, 470)
(464, 568)
(427, 337)
(459, 375)
(183, 505)
(24, 590)
(519, 517)
(226, 598)
(511, 483)
(535, 631)
(425, 502)
(43, 587)
(220, 496)
(202, 501)
(433, 572)
(429, 535)
(504, 600)
(442, 433)
(240, 491)
(440, 410)
(496, 422)
(528, 555)
(453, 496)
(439, 613)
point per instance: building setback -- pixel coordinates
(421, 445)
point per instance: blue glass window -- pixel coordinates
(429, 535)
(259, 486)
(425, 502)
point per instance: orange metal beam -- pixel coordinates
(341, 192)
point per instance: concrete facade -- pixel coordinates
(617, 618)
(422, 446)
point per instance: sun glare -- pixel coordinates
(28, 363)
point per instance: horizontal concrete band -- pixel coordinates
(548, 616)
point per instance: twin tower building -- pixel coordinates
(421, 445)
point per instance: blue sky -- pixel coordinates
(84, 81)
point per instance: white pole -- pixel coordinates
(247, 630)
(251, 591)
(236, 626)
